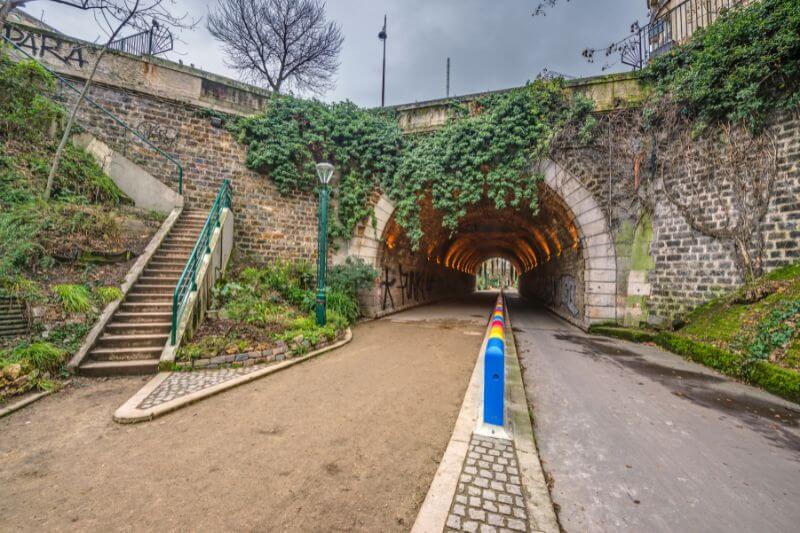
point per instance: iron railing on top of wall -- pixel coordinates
(66, 83)
(187, 283)
(156, 40)
(672, 27)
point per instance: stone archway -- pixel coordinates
(598, 270)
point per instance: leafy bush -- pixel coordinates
(25, 110)
(343, 304)
(352, 276)
(628, 334)
(109, 294)
(707, 355)
(780, 381)
(738, 69)
(74, 298)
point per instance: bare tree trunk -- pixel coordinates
(5, 9)
(73, 113)
(70, 122)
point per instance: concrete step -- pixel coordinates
(147, 307)
(138, 328)
(170, 280)
(143, 316)
(5, 319)
(140, 297)
(136, 353)
(132, 341)
(119, 368)
(154, 288)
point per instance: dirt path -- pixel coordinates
(349, 441)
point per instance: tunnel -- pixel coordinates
(561, 252)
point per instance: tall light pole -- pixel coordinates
(382, 36)
(325, 174)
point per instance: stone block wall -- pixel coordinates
(268, 225)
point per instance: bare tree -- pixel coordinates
(725, 169)
(287, 43)
(114, 16)
(7, 6)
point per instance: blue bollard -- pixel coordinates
(494, 382)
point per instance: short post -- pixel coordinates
(494, 381)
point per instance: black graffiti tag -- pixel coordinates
(43, 45)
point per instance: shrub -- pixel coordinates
(74, 298)
(707, 355)
(780, 381)
(628, 334)
(25, 110)
(343, 304)
(352, 276)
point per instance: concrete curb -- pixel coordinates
(29, 400)
(537, 496)
(432, 516)
(129, 413)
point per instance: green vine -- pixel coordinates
(739, 69)
(484, 152)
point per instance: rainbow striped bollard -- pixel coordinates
(494, 381)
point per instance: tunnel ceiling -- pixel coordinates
(526, 239)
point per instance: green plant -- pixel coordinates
(738, 69)
(73, 298)
(482, 153)
(109, 294)
(25, 109)
(343, 304)
(352, 276)
(39, 356)
(776, 330)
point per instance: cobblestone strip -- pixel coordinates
(183, 383)
(489, 495)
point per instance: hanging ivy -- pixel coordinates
(739, 69)
(483, 153)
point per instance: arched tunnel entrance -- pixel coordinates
(563, 253)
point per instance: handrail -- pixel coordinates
(187, 283)
(105, 111)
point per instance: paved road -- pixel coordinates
(637, 439)
(348, 441)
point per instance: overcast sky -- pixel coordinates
(493, 44)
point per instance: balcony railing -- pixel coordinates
(669, 28)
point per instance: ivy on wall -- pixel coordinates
(484, 152)
(739, 69)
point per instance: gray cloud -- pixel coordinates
(493, 44)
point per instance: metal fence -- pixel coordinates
(156, 40)
(672, 27)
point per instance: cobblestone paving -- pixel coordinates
(489, 495)
(182, 383)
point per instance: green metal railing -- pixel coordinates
(105, 111)
(188, 280)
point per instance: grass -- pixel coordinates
(106, 295)
(74, 298)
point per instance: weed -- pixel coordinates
(74, 298)
(109, 294)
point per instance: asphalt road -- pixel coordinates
(637, 439)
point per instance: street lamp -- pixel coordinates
(325, 174)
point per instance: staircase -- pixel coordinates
(12, 317)
(135, 336)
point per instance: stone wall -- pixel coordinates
(268, 224)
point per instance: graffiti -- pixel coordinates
(386, 286)
(159, 134)
(413, 286)
(567, 294)
(46, 46)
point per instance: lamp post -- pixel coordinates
(325, 174)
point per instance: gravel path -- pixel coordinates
(349, 441)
